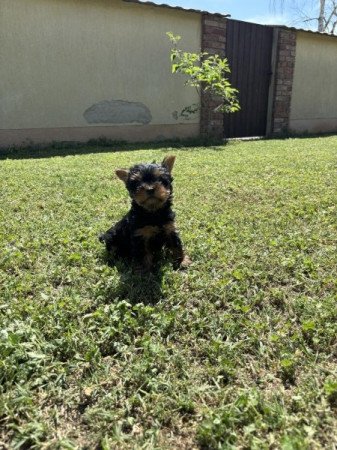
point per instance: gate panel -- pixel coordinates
(249, 49)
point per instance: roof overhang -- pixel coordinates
(179, 8)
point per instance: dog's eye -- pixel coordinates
(164, 181)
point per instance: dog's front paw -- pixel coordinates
(106, 239)
(102, 238)
(182, 263)
(186, 262)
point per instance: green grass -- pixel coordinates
(238, 352)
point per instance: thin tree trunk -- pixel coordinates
(321, 24)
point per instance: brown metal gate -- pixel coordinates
(249, 49)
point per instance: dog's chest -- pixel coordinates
(148, 232)
(154, 232)
(153, 227)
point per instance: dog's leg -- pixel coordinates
(117, 238)
(141, 255)
(174, 244)
(109, 239)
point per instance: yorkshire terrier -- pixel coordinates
(149, 226)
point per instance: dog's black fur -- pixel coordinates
(149, 225)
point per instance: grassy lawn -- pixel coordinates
(238, 352)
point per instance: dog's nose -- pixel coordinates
(150, 190)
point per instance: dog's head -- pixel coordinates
(149, 185)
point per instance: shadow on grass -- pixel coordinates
(135, 288)
(102, 145)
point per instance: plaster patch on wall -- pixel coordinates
(118, 112)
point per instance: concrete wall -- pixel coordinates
(314, 92)
(80, 69)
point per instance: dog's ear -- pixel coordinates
(122, 174)
(168, 162)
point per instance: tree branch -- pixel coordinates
(333, 13)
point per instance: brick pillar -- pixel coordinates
(284, 75)
(213, 41)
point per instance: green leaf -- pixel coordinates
(308, 325)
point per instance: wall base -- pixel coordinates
(313, 126)
(128, 133)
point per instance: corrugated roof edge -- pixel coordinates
(176, 7)
(163, 5)
(285, 27)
